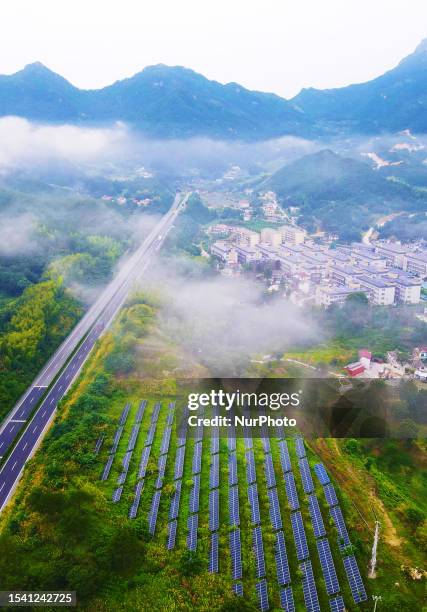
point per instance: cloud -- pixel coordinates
(23, 143)
(17, 235)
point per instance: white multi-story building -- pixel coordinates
(271, 236)
(393, 252)
(333, 294)
(292, 234)
(416, 263)
(408, 290)
(380, 292)
(224, 252)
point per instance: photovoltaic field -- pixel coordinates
(263, 512)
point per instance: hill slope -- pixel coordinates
(397, 100)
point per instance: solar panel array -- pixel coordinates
(248, 437)
(307, 481)
(133, 511)
(321, 473)
(254, 503)
(164, 448)
(179, 462)
(291, 491)
(231, 440)
(195, 494)
(282, 565)
(265, 441)
(236, 554)
(171, 534)
(238, 589)
(214, 510)
(176, 497)
(233, 506)
(338, 519)
(155, 413)
(299, 448)
(192, 524)
(152, 517)
(197, 458)
(309, 587)
(262, 592)
(133, 436)
(107, 468)
(98, 445)
(143, 462)
(285, 459)
(299, 536)
(117, 493)
(141, 410)
(337, 604)
(269, 471)
(328, 567)
(124, 415)
(316, 517)
(258, 548)
(215, 441)
(214, 472)
(330, 495)
(354, 579)
(287, 599)
(274, 508)
(213, 553)
(250, 467)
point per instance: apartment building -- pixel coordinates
(416, 263)
(380, 292)
(292, 234)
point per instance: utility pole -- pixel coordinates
(376, 598)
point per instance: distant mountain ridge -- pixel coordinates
(160, 100)
(176, 102)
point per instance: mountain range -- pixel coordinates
(169, 102)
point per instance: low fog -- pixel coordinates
(225, 322)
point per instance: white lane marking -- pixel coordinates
(52, 400)
(1, 444)
(35, 429)
(25, 446)
(1, 488)
(17, 421)
(60, 388)
(12, 428)
(13, 466)
(44, 413)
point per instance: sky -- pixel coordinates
(279, 46)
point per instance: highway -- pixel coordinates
(67, 361)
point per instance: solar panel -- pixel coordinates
(265, 441)
(171, 534)
(307, 481)
(269, 471)
(343, 537)
(321, 473)
(182, 432)
(98, 445)
(300, 448)
(198, 433)
(330, 495)
(232, 470)
(152, 517)
(161, 466)
(179, 462)
(285, 460)
(169, 418)
(165, 440)
(215, 441)
(258, 552)
(309, 587)
(124, 414)
(117, 493)
(328, 567)
(236, 554)
(213, 553)
(197, 458)
(316, 516)
(287, 599)
(150, 434)
(233, 505)
(280, 432)
(133, 510)
(171, 405)
(195, 494)
(248, 438)
(238, 589)
(214, 472)
(231, 440)
(192, 524)
(282, 565)
(250, 467)
(262, 592)
(299, 536)
(253, 503)
(176, 496)
(107, 468)
(145, 455)
(354, 579)
(337, 604)
(116, 440)
(155, 413)
(214, 510)
(141, 411)
(133, 437)
(291, 491)
(274, 508)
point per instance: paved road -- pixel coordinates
(89, 330)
